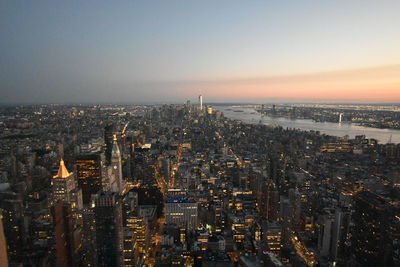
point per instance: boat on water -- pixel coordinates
(238, 111)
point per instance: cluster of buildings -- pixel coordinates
(375, 116)
(181, 185)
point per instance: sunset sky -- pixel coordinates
(228, 51)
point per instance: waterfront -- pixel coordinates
(250, 115)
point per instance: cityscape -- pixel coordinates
(182, 185)
(199, 133)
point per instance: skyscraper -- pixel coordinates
(109, 229)
(63, 183)
(108, 140)
(13, 223)
(3, 244)
(201, 103)
(64, 187)
(374, 234)
(89, 176)
(116, 182)
(64, 234)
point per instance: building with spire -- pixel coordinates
(115, 173)
(64, 187)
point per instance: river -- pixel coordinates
(250, 115)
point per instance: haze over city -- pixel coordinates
(170, 51)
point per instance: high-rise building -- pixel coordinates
(116, 181)
(109, 229)
(89, 175)
(3, 244)
(63, 183)
(374, 233)
(182, 212)
(13, 223)
(108, 140)
(201, 103)
(89, 252)
(67, 236)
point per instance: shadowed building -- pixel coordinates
(64, 234)
(88, 172)
(3, 244)
(108, 139)
(109, 229)
(375, 230)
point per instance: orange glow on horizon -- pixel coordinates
(372, 84)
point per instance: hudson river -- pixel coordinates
(249, 115)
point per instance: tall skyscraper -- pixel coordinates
(109, 229)
(89, 175)
(64, 234)
(13, 223)
(3, 244)
(374, 234)
(62, 184)
(116, 182)
(108, 140)
(201, 102)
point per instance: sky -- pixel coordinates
(96, 51)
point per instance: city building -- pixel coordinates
(109, 229)
(116, 181)
(200, 103)
(67, 235)
(3, 244)
(182, 212)
(108, 140)
(63, 183)
(89, 175)
(374, 235)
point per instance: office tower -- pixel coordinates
(109, 229)
(108, 140)
(13, 223)
(268, 200)
(116, 182)
(182, 212)
(89, 175)
(139, 229)
(201, 103)
(273, 236)
(340, 235)
(374, 233)
(325, 235)
(3, 244)
(63, 183)
(295, 201)
(285, 217)
(89, 250)
(65, 234)
(129, 248)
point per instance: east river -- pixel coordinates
(250, 115)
